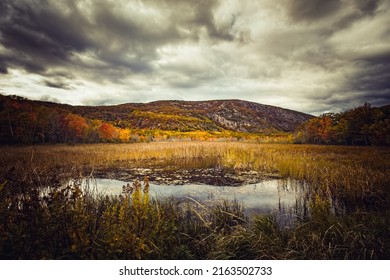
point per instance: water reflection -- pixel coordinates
(274, 196)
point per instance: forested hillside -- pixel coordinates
(214, 115)
(26, 121)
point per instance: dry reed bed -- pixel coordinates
(359, 173)
(67, 224)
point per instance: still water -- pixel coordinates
(274, 196)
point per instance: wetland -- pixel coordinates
(194, 200)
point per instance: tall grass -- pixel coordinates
(66, 223)
(358, 176)
(42, 216)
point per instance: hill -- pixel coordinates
(215, 115)
(28, 121)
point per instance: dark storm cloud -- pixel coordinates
(3, 67)
(57, 83)
(307, 10)
(374, 79)
(359, 9)
(3, 70)
(28, 63)
(195, 15)
(204, 17)
(45, 34)
(111, 51)
(367, 6)
(40, 35)
(337, 14)
(316, 10)
(123, 34)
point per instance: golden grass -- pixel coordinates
(66, 224)
(336, 170)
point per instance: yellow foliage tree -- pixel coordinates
(124, 135)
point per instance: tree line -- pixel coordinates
(363, 125)
(23, 121)
(26, 122)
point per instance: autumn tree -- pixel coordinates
(363, 125)
(76, 127)
(108, 132)
(124, 134)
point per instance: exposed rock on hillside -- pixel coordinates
(215, 115)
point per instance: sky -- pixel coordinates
(312, 56)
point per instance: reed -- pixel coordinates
(354, 174)
(43, 216)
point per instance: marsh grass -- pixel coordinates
(42, 216)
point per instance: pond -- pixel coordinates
(280, 197)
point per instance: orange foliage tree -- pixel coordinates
(76, 128)
(108, 132)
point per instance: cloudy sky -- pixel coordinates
(308, 55)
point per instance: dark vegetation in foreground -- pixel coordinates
(67, 224)
(43, 217)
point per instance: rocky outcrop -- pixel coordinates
(236, 115)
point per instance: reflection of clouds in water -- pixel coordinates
(271, 196)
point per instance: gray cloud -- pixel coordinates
(3, 67)
(48, 98)
(312, 9)
(307, 55)
(367, 6)
(58, 83)
(40, 34)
